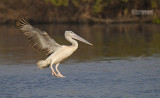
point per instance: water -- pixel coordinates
(124, 62)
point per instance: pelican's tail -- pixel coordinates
(42, 64)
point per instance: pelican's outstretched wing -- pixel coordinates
(39, 39)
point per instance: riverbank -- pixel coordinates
(75, 12)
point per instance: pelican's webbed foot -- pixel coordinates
(58, 72)
(54, 74)
(60, 75)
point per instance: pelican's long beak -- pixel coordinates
(81, 39)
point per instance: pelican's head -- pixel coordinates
(75, 36)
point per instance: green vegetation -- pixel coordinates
(58, 2)
(156, 20)
(154, 3)
(98, 6)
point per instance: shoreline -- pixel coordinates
(90, 22)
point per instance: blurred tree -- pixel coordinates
(58, 2)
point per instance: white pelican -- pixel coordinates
(42, 41)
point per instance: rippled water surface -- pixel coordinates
(124, 62)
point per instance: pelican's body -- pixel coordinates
(55, 58)
(41, 41)
(61, 54)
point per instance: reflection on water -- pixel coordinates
(109, 41)
(123, 62)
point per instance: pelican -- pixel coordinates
(41, 41)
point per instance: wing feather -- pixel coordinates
(39, 39)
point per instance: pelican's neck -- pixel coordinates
(74, 42)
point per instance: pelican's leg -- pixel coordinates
(58, 73)
(53, 72)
